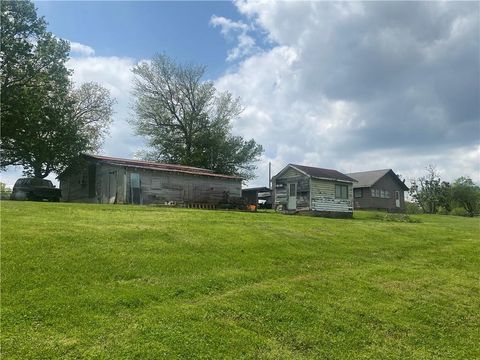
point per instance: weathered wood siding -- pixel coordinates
(280, 186)
(323, 197)
(160, 187)
(112, 184)
(76, 187)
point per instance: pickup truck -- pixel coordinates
(35, 189)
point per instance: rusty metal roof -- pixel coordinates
(150, 165)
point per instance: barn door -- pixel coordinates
(292, 196)
(109, 187)
(135, 195)
(397, 199)
(112, 187)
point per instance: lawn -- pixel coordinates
(112, 282)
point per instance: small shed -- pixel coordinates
(326, 192)
(258, 196)
(110, 180)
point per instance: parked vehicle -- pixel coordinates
(35, 189)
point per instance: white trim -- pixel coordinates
(330, 179)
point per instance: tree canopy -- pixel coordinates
(467, 195)
(187, 121)
(45, 122)
(434, 195)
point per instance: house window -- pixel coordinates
(341, 191)
(357, 193)
(373, 192)
(387, 194)
(382, 193)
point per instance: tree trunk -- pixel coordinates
(39, 173)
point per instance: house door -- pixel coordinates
(397, 199)
(292, 196)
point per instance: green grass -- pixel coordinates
(100, 281)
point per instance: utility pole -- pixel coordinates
(269, 175)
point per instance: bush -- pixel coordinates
(442, 211)
(394, 217)
(459, 211)
(412, 208)
(400, 218)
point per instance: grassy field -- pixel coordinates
(94, 281)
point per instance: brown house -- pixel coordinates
(379, 190)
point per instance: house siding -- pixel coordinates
(313, 195)
(280, 188)
(385, 183)
(323, 197)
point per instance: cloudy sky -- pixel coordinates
(350, 86)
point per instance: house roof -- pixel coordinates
(321, 173)
(369, 178)
(149, 165)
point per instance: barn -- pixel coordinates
(325, 192)
(109, 180)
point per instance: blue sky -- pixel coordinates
(141, 29)
(350, 86)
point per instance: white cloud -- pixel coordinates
(114, 73)
(226, 25)
(358, 86)
(81, 49)
(238, 31)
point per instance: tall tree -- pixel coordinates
(92, 112)
(426, 190)
(45, 123)
(187, 121)
(467, 194)
(34, 79)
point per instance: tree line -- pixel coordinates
(48, 122)
(434, 196)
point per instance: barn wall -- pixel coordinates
(112, 184)
(323, 197)
(76, 186)
(159, 187)
(109, 185)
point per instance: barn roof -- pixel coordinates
(257, 189)
(321, 173)
(369, 178)
(149, 165)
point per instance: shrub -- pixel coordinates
(412, 208)
(459, 211)
(442, 211)
(400, 218)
